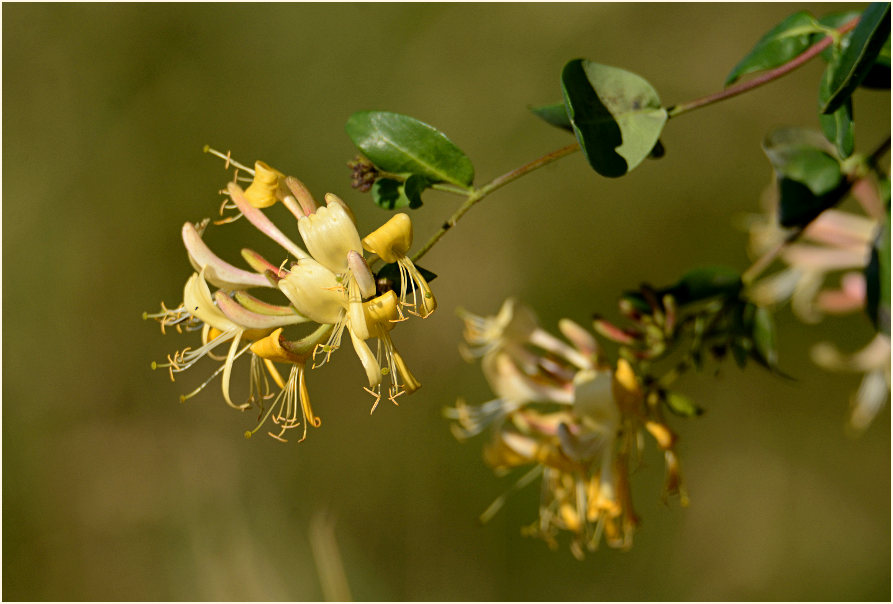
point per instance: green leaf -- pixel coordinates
(782, 43)
(616, 115)
(834, 21)
(877, 278)
(403, 145)
(697, 285)
(879, 75)
(392, 194)
(865, 44)
(555, 114)
(765, 342)
(682, 405)
(809, 176)
(838, 126)
(706, 282)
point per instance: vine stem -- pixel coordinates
(763, 79)
(498, 182)
(478, 194)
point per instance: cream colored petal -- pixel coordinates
(198, 302)
(373, 369)
(329, 235)
(314, 292)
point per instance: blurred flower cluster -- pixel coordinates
(562, 411)
(836, 247)
(329, 287)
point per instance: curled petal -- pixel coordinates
(217, 271)
(198, 302)
(391, 240)
(262, 193)
(373, 369)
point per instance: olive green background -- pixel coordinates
(112, 489)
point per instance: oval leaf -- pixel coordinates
(865, 44)
(616, 115)
(765, 350)
(404, 145)
(877, 278)
(782, 43)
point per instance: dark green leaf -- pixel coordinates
(865, 44)
(782, 43)
(765, 344)
(555, 114)
(879, 75)
(838, 126)
(706, 282)
(681, 405)
(392, 194)
(877, 277)
(403, 145)
(616, 115)
(809, 177)
(697, 285)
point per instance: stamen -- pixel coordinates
(228, 159)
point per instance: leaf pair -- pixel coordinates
(862, 57)
(616, 115)
(413, 155)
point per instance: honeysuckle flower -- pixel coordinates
(836, 242)
(391, 242)
(873, 361)
(330, 285)
(565, 412)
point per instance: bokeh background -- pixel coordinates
(112, 489)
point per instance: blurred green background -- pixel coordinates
(112, 489)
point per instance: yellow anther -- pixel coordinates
(262, 193)
(391, 240)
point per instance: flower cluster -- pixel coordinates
(563, 411)
(837, 243)
(330, 286)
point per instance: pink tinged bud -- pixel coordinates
(217, 271)
(612, 332)
(252, 320)
(360, 271)
(841, 230)
(302, 195)
(262, 223)
(849, 298)
(261, 264)
(811, 257)
(579, 337)
(866, 193)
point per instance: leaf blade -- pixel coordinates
(404, 145)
